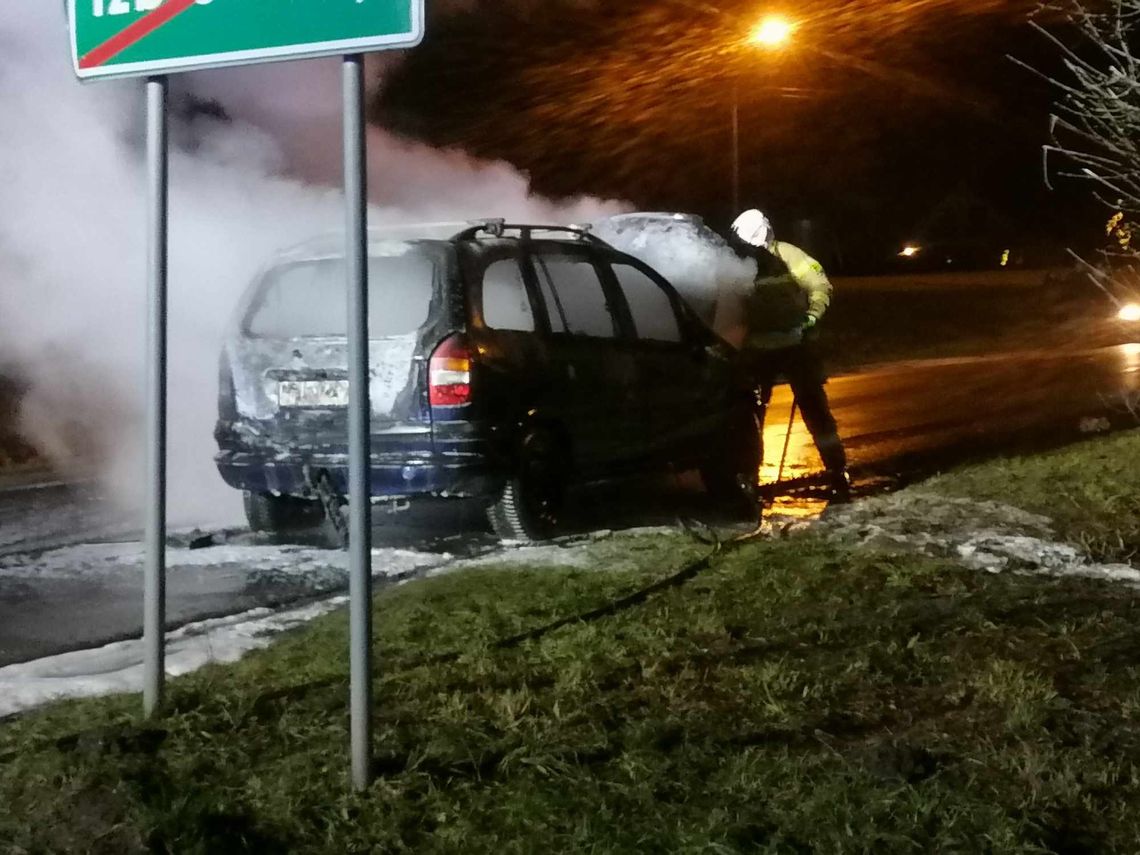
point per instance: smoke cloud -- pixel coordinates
(699, 263)
(246, 179)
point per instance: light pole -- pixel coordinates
(771, 34)
(735, 146)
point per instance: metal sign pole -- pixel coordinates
(154, 595)
(359, 423)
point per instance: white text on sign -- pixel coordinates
(99, 8)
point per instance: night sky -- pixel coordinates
(879, 116)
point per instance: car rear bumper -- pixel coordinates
(294, 476)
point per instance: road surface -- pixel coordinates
(906, 419)
(70, 565)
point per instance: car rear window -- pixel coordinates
(308, 299)
(506, 304)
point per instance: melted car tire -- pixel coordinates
(732, 476)
(273, 514)
(529, 504)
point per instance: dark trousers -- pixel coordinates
(801, 367)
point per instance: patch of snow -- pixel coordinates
(1092, 424)
(998, 552)
(113, 558)
(575, 551)
(118, 668)
(571, 555)
(986, 536)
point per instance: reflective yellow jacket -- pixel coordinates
(783, 299)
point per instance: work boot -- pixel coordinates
(835, 462)
(839, 483)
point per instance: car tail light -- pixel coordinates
(449, 374)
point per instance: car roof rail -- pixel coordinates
(525, 231)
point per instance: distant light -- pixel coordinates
(773, 32)
(1005, 258)
(910, 251)
(1129, 312)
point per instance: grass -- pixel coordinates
(1090, 491)
(793, 697)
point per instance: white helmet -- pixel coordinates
(753, 228)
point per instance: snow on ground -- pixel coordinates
(568, 552)
(110, 558)
(548, 555)
(118, 667)
(984, 536)
(577, 551)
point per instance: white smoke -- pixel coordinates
(698, 262)
(72, 227)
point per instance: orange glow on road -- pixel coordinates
(802, 460)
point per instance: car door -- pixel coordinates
(514, 363)
(592, 372)
(681, 381)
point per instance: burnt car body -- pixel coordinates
(506, 363)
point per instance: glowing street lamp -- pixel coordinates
(773, 32)
(770, 34)
(1129, 312)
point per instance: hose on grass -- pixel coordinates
(700, 532)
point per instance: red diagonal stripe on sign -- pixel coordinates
(140, 29)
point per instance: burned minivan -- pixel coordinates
(507, 363)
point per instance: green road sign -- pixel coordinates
(130, 38)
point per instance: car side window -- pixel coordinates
(654, 316)
(506, 304)
(574, 295)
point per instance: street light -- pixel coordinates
(774, 31)
(770, 34)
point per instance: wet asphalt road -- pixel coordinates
(906, 420)
(69, 566)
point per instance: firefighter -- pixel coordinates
(790, 296)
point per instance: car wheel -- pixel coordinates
(732, 475)
(530, 503)
(268, 513)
